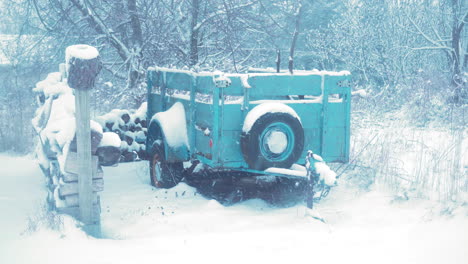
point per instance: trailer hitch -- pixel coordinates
(316, 188)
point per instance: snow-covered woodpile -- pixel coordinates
(131, 127)
(55, 125)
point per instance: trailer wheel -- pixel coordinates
(163, 174)
(275, 140)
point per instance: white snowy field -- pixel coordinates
(144, 225)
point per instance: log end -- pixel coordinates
(83, 65)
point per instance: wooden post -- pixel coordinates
(83, 135)
(83, 65)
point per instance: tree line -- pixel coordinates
(403, 51)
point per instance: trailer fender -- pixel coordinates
(171, 128)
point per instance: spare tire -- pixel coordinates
(275, 140)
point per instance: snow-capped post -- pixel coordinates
(82, 67)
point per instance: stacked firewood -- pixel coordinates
(55, 125)
(132, 129)
(118, 136)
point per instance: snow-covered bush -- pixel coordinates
(427, 98)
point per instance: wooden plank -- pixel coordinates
(284, 85)
(236, 88)
(74, 211)
(205, 85)
(215, 132)
(85, 162)
(71, 164)
(334, 84)
(347, 105)
(179, 80)
(73, 200)
(73, 177)
(73, 188)
(325, 103)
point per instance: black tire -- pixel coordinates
(256, 150)
(163, 174)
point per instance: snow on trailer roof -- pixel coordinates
(265, 84)
(266, 73)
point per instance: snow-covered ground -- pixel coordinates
(143, 225)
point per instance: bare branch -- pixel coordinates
(220, 12)
(426, 37)
(101, 28)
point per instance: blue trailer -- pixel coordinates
(258, 122)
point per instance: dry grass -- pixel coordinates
(43, 218)
(412, 161)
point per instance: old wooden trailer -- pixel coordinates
(262, 123)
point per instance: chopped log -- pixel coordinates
(142, 154)
(143, 123)
(96, 137)
(73, 200)
(128, 139)
(75, 212)
(72, 177)
(71, 164)
(71, 188)
(128, 156)
(108, 155)
(125, 117)
(109, 125)
(123, 128)
(82, 72)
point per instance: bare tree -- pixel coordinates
(297, 17)
(447, 34)
(201, 25)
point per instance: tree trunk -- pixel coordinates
(134, 74)
(193, 59)
(295, 35)
(455, 60)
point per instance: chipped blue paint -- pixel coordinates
(215, 115)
